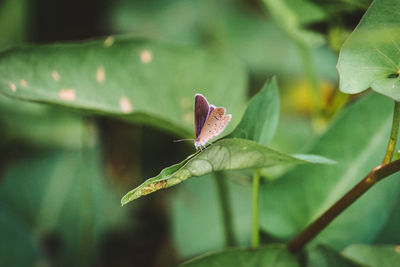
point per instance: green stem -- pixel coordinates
(385, 169)
(223, 193)
(255, 239)
(393, 134)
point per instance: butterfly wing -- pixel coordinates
(201, 111)
(214, 124)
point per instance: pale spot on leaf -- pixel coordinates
(101, 74)
(146, 56)
(109, 41)
(23, 83)
(125, 105)
(55, 75)
(188, 117)
(67, 94)
(397, 248)
(13, 87)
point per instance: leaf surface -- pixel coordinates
(370, 57)
(135, 79)
(223, 155)
(357, 140)
(266, 256)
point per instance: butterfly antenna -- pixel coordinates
(180, 140)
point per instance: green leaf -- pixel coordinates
(194, 205)
(131, 78)
(223, 155)
(370, 57)
(324, 256)
(374, 256)
(266, 256)
(260, 120)
(60, 194)
(357, 140)
(293, 15)
(16, 233)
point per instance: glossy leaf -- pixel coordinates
(370, 57)
(260, 120)
(223, 155)
(266, 256)
(357, 140)
(374, 256)
(131, 78)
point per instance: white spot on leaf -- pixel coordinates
(125, 105)
(55, 75)
(67, 94)
(13, 87)
(101, 74)
(109, 41)
(146, 56)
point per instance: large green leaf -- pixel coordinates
(371, 55)
(266, 256)
(260, 120)
(194, 205)
(357, 141)
(223, 155)
(59, 195)
(293, 16)
(374, 256)
(132, 78)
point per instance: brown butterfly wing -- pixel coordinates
(215, 124)
(201, 110)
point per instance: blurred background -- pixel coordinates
(62, 174)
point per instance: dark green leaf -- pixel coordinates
(132, 78)
(357, 140)
(371, 55)
(373, 256)
(266, 256)
(60, 194)
(323, 256)
(226, 154)
(260, 120)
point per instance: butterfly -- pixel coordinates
(209, 121)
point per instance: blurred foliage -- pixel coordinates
(102, 114)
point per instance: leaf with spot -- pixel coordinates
(273, 255)
(370, 57)
(223, 155)
(260, 120)
(374, 256)
(134, 79)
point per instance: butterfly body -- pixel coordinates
(209, 121)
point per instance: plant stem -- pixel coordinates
(393, 134)
(255, 238)
(385, 169)
(223, 193)
(319, 224)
